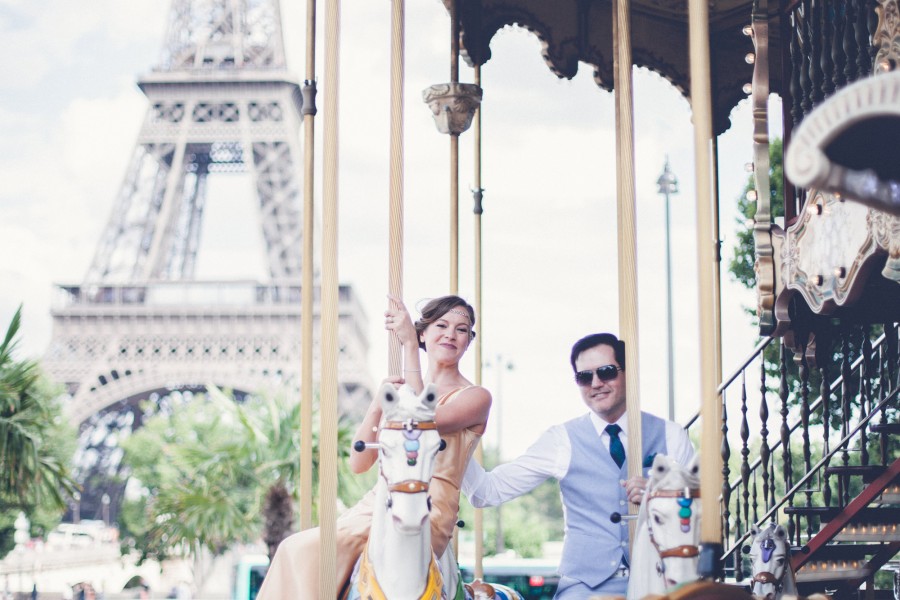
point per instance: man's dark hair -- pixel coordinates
(598, 339)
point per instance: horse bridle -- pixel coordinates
(685, 550)
(767, 547)
(411, 429)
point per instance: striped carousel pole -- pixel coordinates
(627, 232)
(328, 450)
(307, 300)
(710, 408)
(395, 214)
(477, 194)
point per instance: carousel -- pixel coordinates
(768, 512)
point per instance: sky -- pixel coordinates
(70, 112)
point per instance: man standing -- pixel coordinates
(587, 456)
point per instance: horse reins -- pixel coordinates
(685, 550)
(767, 546)
(409, 426)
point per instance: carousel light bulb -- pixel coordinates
(748, 89)
(751, 195)
(747, 30)
(750, 58)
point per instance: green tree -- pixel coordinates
(36, 445)
(741, 265)
(216, 472)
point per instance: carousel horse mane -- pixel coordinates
(770, 557)
(398, 562)
(665, 547)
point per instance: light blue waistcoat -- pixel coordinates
(594, 546)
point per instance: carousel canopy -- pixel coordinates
(574, 31)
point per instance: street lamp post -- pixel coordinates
(667, 185)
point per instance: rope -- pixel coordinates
(395, 215)
(328, 450)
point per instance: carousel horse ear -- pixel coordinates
(754, 531)
(695, 466)
(660, 467)
(429, 395)
(780, 532)
(387, 393)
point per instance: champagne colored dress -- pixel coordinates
(294, 572)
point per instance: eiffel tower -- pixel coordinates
(140, 326)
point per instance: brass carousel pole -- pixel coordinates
(395, 216)
(625, 195)
(477, 194)
(454, 155)
(307, 300)
(711, 409)
(453, 105)
(328, 450)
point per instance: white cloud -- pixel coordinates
(549, 227)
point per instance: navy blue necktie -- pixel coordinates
(616, 449)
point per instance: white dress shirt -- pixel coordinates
(549, 457)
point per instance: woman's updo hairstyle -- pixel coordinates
(437, 308)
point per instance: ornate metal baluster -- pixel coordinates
(754, 496)
(786, 437)
(815, 52)
(805, 43)
(726, 486)
(745, 451)
(845, 413)
(796, 68)
(838, 56)
(872, 23)
(827, 63)
(825, 393)
(851, 50)
(804, 425)
(764, 437)
(883, 391)
(890, 338)
(861, 29)
(865, 394)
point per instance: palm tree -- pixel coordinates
(33, 450)
(220, 472)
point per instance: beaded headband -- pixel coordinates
(460, 313)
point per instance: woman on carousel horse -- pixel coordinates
(444, 331)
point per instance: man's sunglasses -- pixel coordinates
(604, 373)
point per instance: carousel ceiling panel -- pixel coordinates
(573, 31)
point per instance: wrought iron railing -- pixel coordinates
(864, 391)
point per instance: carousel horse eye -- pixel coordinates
(443, 444)
(460, 523)
(389, 397)
(746, 549)
(389, 503)
(429, 503)
(430, 397)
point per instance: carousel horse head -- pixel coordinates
(408, 443)
(666, 545)
(770, 563)
(398, 561)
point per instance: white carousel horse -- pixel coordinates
(771, 563)
(398, 563)
(666, 542)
